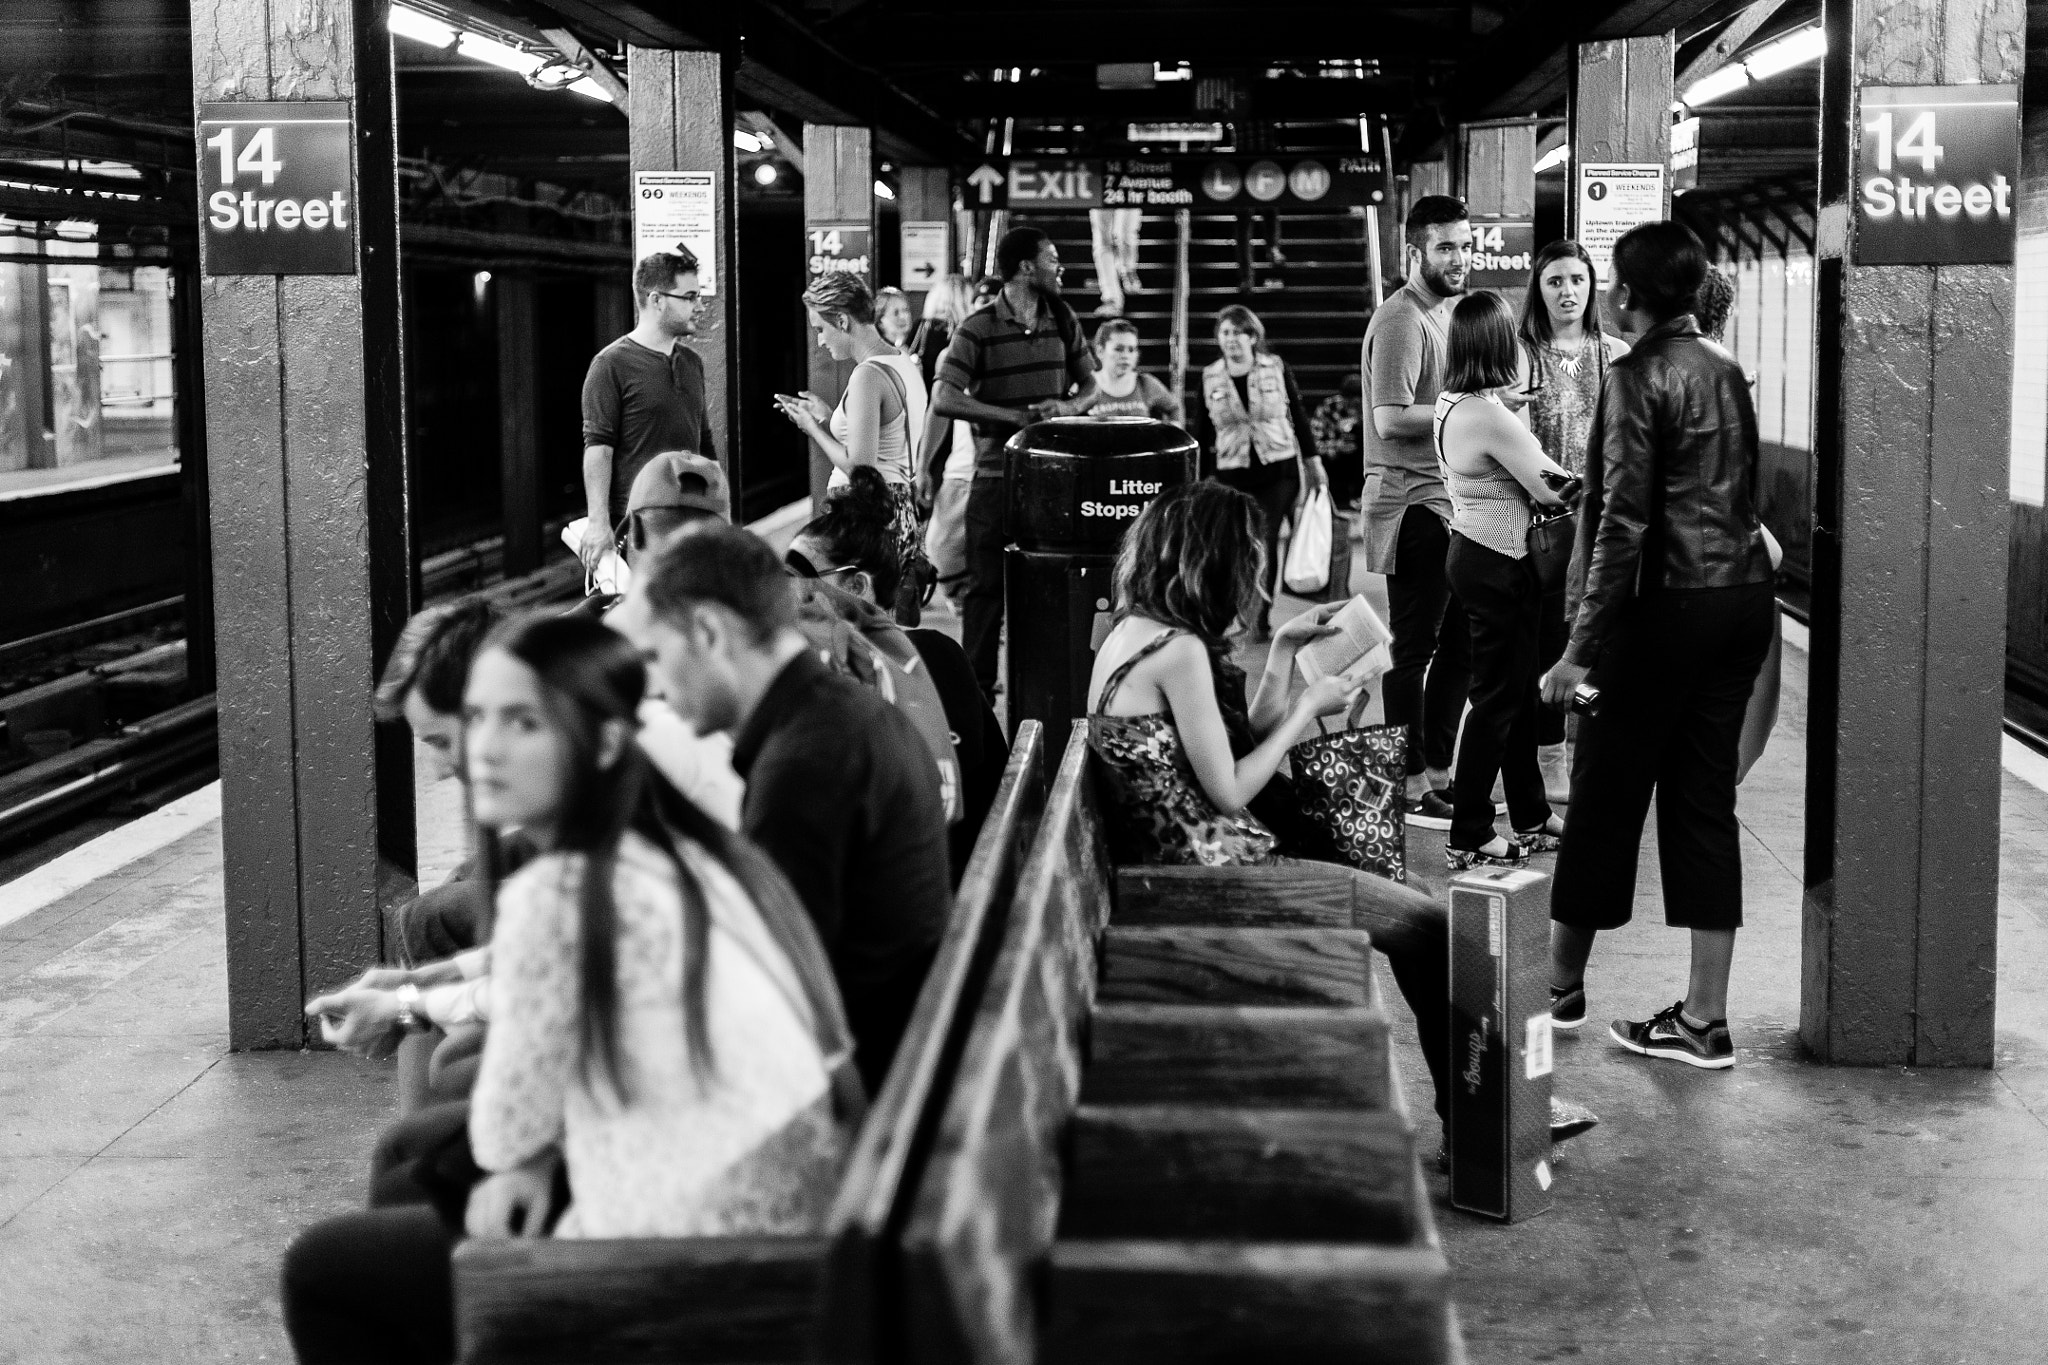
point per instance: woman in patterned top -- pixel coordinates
(665, 1029)
(1187, 767)
(1565, 356)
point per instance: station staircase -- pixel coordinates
(1304, 274)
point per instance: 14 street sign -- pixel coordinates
(277, 183)
(1937, 174)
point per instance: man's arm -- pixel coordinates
(1391, 361)
(597, 504)
(950, 401)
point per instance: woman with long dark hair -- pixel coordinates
(1494, 472)
(1254, 423)
(665, 1031)
(1566, 353)
(1185, 762)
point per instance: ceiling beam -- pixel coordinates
(1173, 102)
(1722, 50)
(782, 64)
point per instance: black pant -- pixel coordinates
(1673, 689)
(1276, 488)
(1430, 639)
(1414, 931)
(1553, 633)
(372, 1287)
(1502, 600)
(981, 605)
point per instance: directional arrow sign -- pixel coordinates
(987, 183)
(925, 271)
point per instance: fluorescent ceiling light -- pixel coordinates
(1726, 81)
(421, 28)
(1176, 71)
(745, 140)
(481, 49)
(882, 191)
(590, 89)
(1556, 156)
(1794, 49)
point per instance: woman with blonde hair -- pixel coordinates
(878, 418)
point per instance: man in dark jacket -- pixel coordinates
(1674, 591)
(842, 791)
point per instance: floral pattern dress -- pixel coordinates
(1158, 812)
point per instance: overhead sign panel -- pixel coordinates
(277, 188)
(1614, 197)
(1937, 174)
(678, 208)
(1290, 182)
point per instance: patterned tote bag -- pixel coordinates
(1350, 785)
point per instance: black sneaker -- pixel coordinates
(1568, 1008)
(1431, 810)
(1666, 1035)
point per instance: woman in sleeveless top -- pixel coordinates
(1494, 471)
(1121, 388)
(879, 419)
(1566, 354)
(1184, 760)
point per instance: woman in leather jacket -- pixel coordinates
(1674, 617)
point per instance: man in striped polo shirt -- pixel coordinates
(1010, 363)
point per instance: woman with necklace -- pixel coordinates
(1566, 355)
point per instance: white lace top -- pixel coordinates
(756, 1149)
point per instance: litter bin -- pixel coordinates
(1073, 485)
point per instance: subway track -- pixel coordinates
(98, 722)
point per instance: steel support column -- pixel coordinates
(518, 421)
(304, 411)
(1497, 171)
(681, 113)
(1912, 429)
(1619, 106)
(839, 188)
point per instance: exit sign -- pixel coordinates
(1937, 174)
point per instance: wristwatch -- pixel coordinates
(409, 1017)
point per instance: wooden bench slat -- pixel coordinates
(563, 1302)
(1250, 897)
(896, 1138)
(1239, 1055)
(1229, 1303)
(982, 1219)
(1258, 1175)
(1194, 966)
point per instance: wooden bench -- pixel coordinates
(1176, 1133)
(772, 1298)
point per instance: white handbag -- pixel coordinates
(1308, 553)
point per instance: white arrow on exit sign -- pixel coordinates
(986, 179)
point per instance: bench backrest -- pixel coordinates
(857, 1318)
(984, 1212)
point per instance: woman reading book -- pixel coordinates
(1186, 761)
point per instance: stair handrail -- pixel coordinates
(1183, 223)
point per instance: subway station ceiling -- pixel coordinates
(940, 80)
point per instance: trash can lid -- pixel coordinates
(1102, 436)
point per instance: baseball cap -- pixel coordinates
(678, 480)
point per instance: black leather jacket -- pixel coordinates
(1670, 499)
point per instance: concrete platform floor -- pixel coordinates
(1782, 1212)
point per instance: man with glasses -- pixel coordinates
(643, 395)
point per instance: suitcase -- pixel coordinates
(1498, 1135)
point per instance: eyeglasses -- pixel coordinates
(694, 296)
